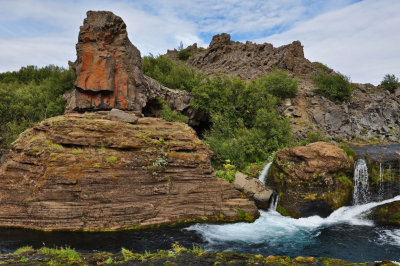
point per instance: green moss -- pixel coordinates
(348, 151)
(282, 210)
(66, 254)
(242, 215)
(53, 146)
(77, 152)
(311, 196)
(111, 159)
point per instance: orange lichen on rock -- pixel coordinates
(108, 66)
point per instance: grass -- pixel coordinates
(23, 250)
(67, 254)
(53, 146)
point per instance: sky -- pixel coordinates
(358, 38)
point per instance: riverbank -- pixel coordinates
(177, 255)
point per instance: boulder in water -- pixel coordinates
(254, 189)
(311, 180)
(388, 213)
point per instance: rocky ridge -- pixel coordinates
(86, 172)
(246, 60)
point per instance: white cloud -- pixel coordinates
(360, 40)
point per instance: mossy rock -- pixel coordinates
(311, 180)
(387, 214)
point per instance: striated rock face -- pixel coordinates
(248, 60)
(311, 180)
(85, 172)
(109, 70)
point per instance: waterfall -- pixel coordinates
(264, 173)
(274, 201)
(380, 190)
(360, 193)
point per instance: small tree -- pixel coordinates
(390, 82)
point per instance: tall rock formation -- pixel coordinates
(109, 70)
(86, 172)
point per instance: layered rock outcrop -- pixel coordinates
(109, 70)
(86, 172)
(311, 180)
(247, 60)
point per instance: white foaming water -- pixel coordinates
(274, 202)
(360, 193)
(273, 227)
(390, 237)
(264, 173)
(380, 190)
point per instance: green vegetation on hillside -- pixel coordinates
(390, 82)
(30, 95)
(336, 87)
(170, 74)
(246, 126)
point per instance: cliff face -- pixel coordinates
(86, 172)
(371, 113)
(247, 60)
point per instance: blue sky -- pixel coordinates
(357, 38)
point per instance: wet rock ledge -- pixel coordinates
(86, 172)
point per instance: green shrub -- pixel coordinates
(171, 115)
(335, 87)
(280, 84)
(245, 124)
(30, 95)
(390, 82)
(228, 172)
(312, 136)
(184, 55)
(171, 74)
